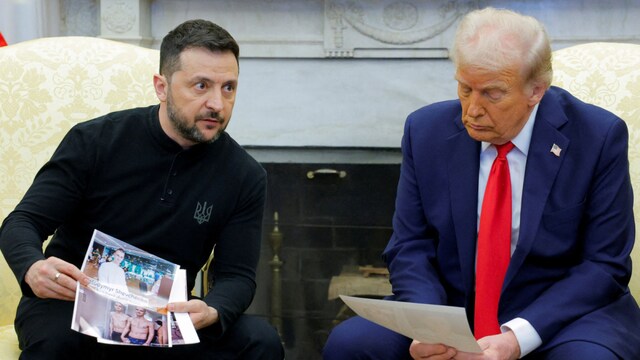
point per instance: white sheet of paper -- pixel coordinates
(423, 322)
(179, 293)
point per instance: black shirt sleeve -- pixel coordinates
(237, 253)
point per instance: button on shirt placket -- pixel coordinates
(172, 177)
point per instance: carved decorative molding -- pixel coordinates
(126, 20)
(118, 16)
(381, 27)
(341, 28)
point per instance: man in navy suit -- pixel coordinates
(565, 294)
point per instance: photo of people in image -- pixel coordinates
(126, 301)
(139, 330)
(161, 335)
(118, 321)
(111, 272)
(128, 274)
(114, 322)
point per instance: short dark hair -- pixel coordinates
(196, 33)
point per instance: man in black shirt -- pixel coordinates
(166, 179)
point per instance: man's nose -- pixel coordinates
(476, 106)
(214, 100)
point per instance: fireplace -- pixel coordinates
(334, 208)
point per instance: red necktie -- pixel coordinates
(494, 244)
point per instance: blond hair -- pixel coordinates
(493, 39)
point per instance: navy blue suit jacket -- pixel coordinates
(570, 271)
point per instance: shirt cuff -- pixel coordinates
(527, 336)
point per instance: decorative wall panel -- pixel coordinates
(396, 29)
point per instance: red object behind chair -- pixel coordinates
(2, 41)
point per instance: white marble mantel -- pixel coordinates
(359, 29)
(345, 73)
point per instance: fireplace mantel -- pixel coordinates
(358, 29)
(343, 73)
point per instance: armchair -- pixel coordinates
(46, 86)
(608, 75)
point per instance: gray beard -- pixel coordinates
(189, 132)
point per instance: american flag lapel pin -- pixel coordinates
(555, 150)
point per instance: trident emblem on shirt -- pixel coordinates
(203, 213)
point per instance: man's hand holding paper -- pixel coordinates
(201, 314)
(429, 324)
(502, 346)
(53, 278)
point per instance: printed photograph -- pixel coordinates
(124, 272)
(115, 322)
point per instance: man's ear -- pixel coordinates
(161, 86)
(537, 92)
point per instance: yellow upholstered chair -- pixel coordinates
(46, 86)
(608, 75)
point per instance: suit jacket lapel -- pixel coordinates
(541, 170)
(463, 179)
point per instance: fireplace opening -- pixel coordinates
(328, 212)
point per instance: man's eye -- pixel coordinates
(495, 94)
(229, 87)
(201, 86)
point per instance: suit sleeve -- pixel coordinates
(411, 252)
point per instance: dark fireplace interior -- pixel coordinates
(331, 215)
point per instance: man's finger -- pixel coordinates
(180, 307)
(71, 271)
